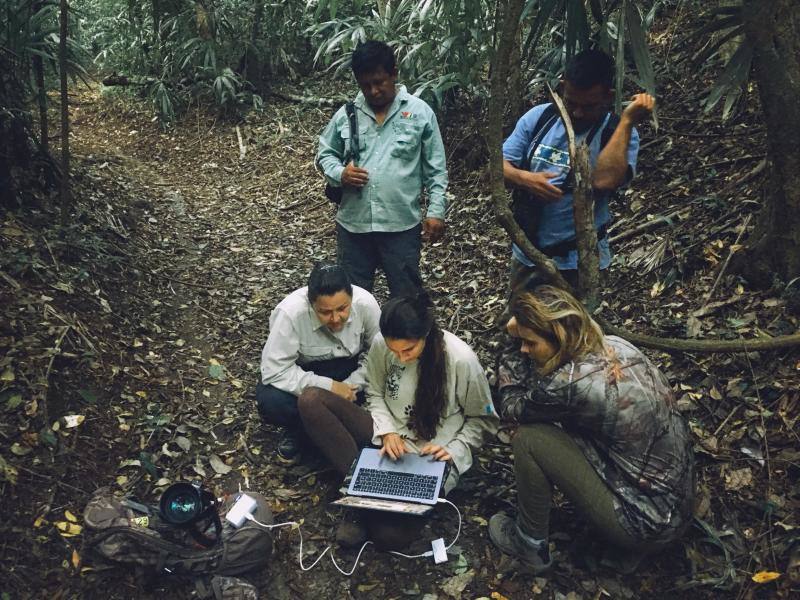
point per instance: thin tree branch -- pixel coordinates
(582, 212)
(494, 129)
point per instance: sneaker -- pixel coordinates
(352, 531)
(504, 533)
(289, 447)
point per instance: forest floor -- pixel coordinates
(131, 342)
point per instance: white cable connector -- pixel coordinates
(244, 506)
(431, 552)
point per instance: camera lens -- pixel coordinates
(180, 504)
(183, 507)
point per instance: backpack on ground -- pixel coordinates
(130, 534)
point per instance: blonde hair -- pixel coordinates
(557, 316)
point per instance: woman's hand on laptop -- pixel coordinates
(437, 452)
(393, 445)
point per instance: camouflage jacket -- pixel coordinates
(620, 410)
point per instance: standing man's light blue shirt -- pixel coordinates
(557, 222)
(403, 156)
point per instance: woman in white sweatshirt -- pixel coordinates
(426, 393)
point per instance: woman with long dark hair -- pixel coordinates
(598, 420)
(427, 393)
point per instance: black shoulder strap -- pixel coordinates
(350, 109)
(543, 125)
(608, 131)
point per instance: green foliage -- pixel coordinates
(439, 45)
(184, 50)
(556, 30)
(30, 28)
(722, 30)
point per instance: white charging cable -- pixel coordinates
(450, 545)
(296, 525)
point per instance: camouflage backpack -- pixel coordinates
(131, 534)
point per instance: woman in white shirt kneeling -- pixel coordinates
(318, 337)
(427, 393)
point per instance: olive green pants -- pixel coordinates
(545, 455)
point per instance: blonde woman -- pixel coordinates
(597, 420)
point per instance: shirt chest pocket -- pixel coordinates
(406, 145)
(311, 353)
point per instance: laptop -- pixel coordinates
(410, 485)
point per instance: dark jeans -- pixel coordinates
(278, 407)
(394, 252)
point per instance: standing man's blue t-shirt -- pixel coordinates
(557, 223)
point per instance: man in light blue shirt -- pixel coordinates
(400, 153)
(546, 213)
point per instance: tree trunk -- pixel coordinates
(773, 26)
(41, 99)
(494, 129)
(517, 84)
(41, 96)
(252, 57)
(66, 201)
(9, 91)
(582, 213)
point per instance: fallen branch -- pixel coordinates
(242, 147)
(55, 352)
(732, 249)
(681, 345)
(731, 161)
(652, 224)
(745, 178)
(289, 97)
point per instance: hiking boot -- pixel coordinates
(504, 533)
(289, 447)
(352, 531)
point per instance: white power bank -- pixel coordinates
(244, 506)
(439, 551)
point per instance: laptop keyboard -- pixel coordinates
(392, 483)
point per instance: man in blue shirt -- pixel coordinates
(587, 91)
(400, 152)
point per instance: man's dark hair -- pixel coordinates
(370, 55)
(589, 68)
(326, 279)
